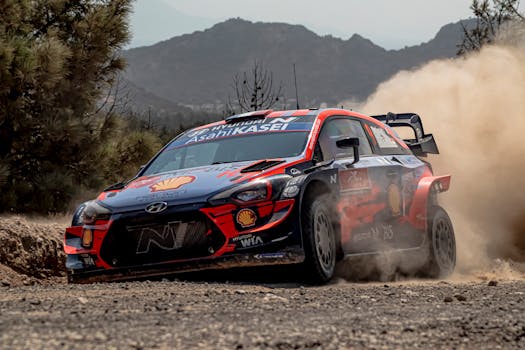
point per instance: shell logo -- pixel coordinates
(246, 218)
(172, 184)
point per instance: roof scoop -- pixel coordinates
(248, 116)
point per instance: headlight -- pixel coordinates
(77, 216)
(260, 190)
(93, 212)
(256, 192)
(252, 195)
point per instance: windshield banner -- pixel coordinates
(268, 125)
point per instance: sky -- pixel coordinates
(388, 23)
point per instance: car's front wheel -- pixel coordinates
(319, 239)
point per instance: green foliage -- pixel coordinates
(490, 16)
(57, 58)
(120, 159)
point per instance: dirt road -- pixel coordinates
(199, 314)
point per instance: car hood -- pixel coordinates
(194, 185)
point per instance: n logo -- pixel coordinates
(171, 237)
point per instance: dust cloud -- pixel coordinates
(475, 107)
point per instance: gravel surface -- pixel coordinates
(208, 315)
(259, 310)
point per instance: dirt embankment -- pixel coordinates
(31, 251)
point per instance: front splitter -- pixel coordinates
(284, 257)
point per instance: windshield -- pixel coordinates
(230, 149)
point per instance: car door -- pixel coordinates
(371, 204)
(360, 199)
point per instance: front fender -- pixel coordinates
(326, 180)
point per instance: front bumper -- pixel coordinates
(184, 239)
(287, 256)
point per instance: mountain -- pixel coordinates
(159, 112)
(197, 69)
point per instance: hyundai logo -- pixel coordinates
(157, 207)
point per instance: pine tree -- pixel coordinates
(57, 58)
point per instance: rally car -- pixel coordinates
(306, 187)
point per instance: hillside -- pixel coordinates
(197, 69)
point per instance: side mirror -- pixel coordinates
(351, 142)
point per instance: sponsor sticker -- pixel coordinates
(271, 256)
(394, 199)
(246, 218)
(143, 182)
(383, 139)
(172, 184)
(378, 232)
(248, 127)
(355, 180)
(248, 241)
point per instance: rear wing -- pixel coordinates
(422, 144)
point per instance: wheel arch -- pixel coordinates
(426, 197)
(320, 185)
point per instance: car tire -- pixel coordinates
(440, 244)
(319, 239)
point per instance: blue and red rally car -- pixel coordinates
(302, 187)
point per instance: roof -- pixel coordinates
(288, 113)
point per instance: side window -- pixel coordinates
(384, 141)
(336, 129)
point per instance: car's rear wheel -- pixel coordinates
(441, 244)
(319, 239)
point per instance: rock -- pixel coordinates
(448, 299)
(100, 336)
(493, 283)
(74, 336)
(460, 297)
(272, 297)
(83, 300)
(5, 283)
(240, 291)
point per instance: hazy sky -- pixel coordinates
(388, 23)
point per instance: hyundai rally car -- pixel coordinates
(304, 187)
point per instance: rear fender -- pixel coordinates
(427, 189)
